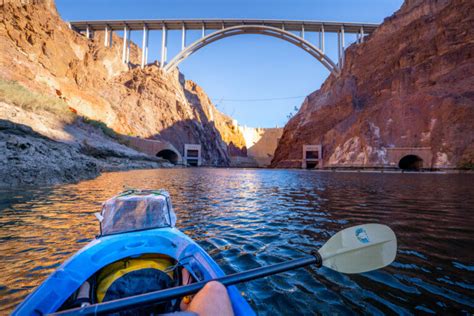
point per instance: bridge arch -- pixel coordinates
(254, 29)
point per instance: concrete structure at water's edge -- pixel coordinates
(404, 158)
(192, 155)
(410, 158)
(222, 28)
(312, 157)
(156, 148)
(262, 143)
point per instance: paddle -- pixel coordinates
(352, 250)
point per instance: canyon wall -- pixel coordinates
(40, 52)
(408, 87)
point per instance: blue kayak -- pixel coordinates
(137, 235)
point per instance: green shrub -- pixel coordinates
(466, 165)
(101, 125)
(107, 131)
(14, 93)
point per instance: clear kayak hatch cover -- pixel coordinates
(136, 210)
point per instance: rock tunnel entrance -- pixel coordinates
(169, 155)
(410, 162)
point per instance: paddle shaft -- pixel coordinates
(180, 291)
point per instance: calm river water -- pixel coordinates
(250, 218)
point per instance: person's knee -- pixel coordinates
(215, 287)
(212, 300)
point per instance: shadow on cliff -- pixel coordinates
(236, 151)
(214, 151)
(203, 119)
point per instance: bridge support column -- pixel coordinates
(343, 44)
(203, 31)
(183, 37)
(128, 45)
(111, 36)
(362, 34)
(124, 50)
(321, 39)
(163, 46)
(145, 46)
(106, 36)
(340, 46)
(88, 32)
(302, 31)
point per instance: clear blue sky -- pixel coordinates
(244, 67)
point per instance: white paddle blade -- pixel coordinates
(360, 249)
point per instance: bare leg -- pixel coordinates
(186, 279)
(212, 300)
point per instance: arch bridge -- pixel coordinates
(222, 28)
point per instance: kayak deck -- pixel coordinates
(101, 252)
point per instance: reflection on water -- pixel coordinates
(250, 218)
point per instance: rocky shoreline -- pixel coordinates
(30, 158)
(34, 159)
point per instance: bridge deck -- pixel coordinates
(197, 24)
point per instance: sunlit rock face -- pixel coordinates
(410, 84)
(261, 143)
(40, 51)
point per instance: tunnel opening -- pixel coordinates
(169, 155)
(311, 164)
(410, 162)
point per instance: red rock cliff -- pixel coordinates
(40, 51)
(410, 84)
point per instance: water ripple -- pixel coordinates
(250, 218)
